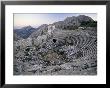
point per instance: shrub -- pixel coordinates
(89, 24)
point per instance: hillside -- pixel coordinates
(24, 32)
(66, 47)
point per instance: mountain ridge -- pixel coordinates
(68, 23)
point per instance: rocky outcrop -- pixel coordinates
(23, 42)
(41, 30)
(72, 22)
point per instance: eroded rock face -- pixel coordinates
(51, 50)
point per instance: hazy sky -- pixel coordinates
(35, 20)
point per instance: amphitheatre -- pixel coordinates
(66, 47)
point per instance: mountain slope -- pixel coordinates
(17, 37)
(25, 32)
(41, 30)
(72, 22)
